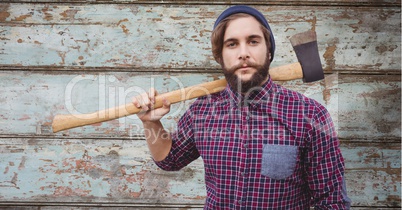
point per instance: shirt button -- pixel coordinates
(245, 146)
(239, 202)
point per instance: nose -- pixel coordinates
(244, 53)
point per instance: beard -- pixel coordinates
(256, 79)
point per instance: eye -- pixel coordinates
(231, 44)
(254, 42)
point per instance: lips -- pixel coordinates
(245, 68)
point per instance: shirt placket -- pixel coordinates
(244, 157)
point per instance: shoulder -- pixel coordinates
(206, 101)
(289, 96)
(313, 114)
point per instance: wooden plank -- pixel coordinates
(49, 94)
(373, 167)
(361, 107)
(92, 171)
(142, 37)
(365, 109)
(116, 172)
(209, 2)
(58, 57)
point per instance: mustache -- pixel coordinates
(240, 65)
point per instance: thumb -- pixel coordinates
(165, 106)
(166, 103)
(158, 113)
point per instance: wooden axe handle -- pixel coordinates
(68, 121)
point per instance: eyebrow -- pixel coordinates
(254, 36)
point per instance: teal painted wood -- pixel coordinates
(360, 3)
(362, 107)
(94, 171)
(31, 100)
(68, 58)
(171, 37)
(360, 103)
(371, 163)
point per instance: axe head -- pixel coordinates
(306, 48)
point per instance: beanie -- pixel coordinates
(253, 12)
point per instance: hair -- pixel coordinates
(218, 35)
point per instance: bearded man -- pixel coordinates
(263, 146)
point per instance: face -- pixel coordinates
(244, 54)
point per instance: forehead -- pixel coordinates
(243, 27)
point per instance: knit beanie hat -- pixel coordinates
(253, 12)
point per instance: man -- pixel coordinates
(263, 146)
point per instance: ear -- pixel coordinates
(219, 60)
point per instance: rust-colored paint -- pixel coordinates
(384, 48)
(329, 57)
(69, 14)
(4, 15)
(313, 23)
(123, 27)
(47, 16)
(330, 83)
(128, 44)
(22, 17)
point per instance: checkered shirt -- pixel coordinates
(270, 149)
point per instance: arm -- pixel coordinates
(326, 165)
(158, 139)
(170, 152)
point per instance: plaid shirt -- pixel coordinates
(271, 149)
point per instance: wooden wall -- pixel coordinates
(78, 56)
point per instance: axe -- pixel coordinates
(308, 68)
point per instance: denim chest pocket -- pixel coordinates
(278, 161)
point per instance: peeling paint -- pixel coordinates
(22, 17)
(3, 13)
(44, 47)
(128, 44)
(329, 55)
(69, 14)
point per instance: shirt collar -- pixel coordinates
(257, 96)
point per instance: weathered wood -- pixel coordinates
(365, 110)
(92, 171)
(84, 55)
(113, 172)
(361, 107)
(210, 2)
(159, 37)
(368, 164)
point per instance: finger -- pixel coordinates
(166, 103)
(136, 102)
(146, 103)
(142, 101)
(165, 106)
(152, 93)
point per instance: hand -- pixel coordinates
(146, 102)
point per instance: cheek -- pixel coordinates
(260, 55)
(227, 59)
